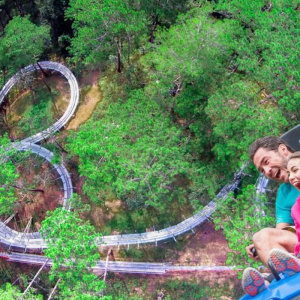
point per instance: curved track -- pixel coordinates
(119, 266)
(74, 95)
(32, 242)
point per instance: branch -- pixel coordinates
(34, 278)
(55, 287)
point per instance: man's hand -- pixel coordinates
(250, 254)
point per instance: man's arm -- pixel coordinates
(282, 225)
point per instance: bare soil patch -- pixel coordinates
(62, 86)
(89, 98)
(213, 285)
(207, 247)
(39, 190)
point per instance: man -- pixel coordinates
(270, 155)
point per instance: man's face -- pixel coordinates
(273, 164)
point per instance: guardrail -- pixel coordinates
(119, 266)
(74, 95)
(32, 242)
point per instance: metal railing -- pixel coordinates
(32, 242)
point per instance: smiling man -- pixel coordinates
(270, 155)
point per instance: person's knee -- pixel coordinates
(274, 238)
(262, 237)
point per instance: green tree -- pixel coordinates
(103, 28)
(240, 113)
(11, 8)
(9, 292)
(240, 217)
(22, 44)
(268, 53)
(71, 244)
(39, 116)
(136, 151)
(52, 12)
(191, 59)
(8, 177)
(161, 13)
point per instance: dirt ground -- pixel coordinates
(43, 195)
(207, 247)
(88, 101)
(219, 285)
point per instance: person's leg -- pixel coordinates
(253, 282)
(270, 238)
(284, 262)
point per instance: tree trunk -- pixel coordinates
(2, 24)
(32, 92)
(21, 10)
(34, 278)
(119, 63)
(3, 111)
(43, 71)
(129, 48)
(45, 75)
(7, 12)
(58, 144)
(154, 25)
(30, 190)
(54, 289)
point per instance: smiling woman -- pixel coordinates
(293, 168)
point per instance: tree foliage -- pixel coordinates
(101, 28)
(9, 292)
(52, 12)
(212, 76)
(38, 116)
(22, 44)
(238, 112)
(8, 176)
(240, 217)
(72, 247)
(135, 150)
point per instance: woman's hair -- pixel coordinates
(294, 155)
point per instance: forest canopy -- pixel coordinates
(186, 87)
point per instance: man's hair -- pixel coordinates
(294, 155)
(270, 143)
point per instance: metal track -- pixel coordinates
(118, 266)
(33, 243)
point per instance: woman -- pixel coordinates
(293, 168)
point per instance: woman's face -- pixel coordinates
(293, 170)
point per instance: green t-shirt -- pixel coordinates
(286, 198)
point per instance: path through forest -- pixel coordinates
(88, 101)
